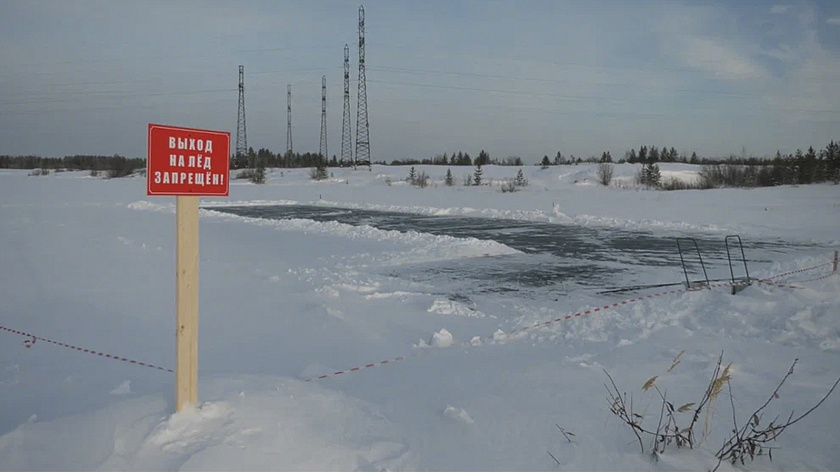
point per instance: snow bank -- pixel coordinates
(247, 423)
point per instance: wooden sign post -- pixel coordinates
(187, 163)
(186, 301)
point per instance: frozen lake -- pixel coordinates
(555, 258)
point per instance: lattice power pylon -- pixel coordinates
(346, 132)
(241, 134)
(322, 148)
(362, 128)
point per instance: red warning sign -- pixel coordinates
(186, 161)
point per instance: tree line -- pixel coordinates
(308, 159)
(799, 167)
(113, 166)
(462, 159)
(267, 158)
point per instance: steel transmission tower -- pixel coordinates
(322, 149)
(289, 147)
(346, 138)
(362, 128)
(241, 136)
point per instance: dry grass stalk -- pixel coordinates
(748, 441)
(676, 361)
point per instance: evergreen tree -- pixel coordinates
(483, 158)
(643, 155)
(240, 161)
(558, 159)
(520, 180)
(448, 179)
(650, 175)
(653, 156)
(606, 157)
(545, 162)
(796, 166)
(477, 175)
(808, 167)
(832, 161)
(412, 176)
(319, 172)
(252, 158)
(632, 158)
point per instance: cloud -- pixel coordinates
(833, 21)
(701, 39)
(779, 9)
(807, 91)
(716, 58)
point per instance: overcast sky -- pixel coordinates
(525, 78)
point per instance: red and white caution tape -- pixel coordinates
(363, 367)
(31, 339)
(591, 312)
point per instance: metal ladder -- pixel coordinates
(739, 283)
(689, 283)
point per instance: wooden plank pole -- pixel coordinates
(186, 301)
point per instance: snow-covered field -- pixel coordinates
(469, 385)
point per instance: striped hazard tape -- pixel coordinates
(592, 311)
(31, 339)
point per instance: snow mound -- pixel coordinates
(423, 246)
(442, 338)
(800, 317)
(458, 414)
(276, 424)
(444, 306)
(384, 295)
(149, 206)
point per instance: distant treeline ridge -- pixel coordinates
(800, 167)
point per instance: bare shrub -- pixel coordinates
(605, 173)
(731, 175)
(677, 184)
(422, 180)
(244, 174)
(751, 439)
(319, 172)
(258, 176)
(747, 441)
